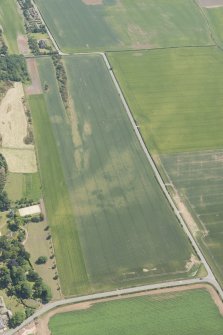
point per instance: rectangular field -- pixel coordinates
(175, 95)
(185, 313)
(11, 23)
(111, 224)
(124, 24)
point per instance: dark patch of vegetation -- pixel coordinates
(17, 276)
(33, 45)
(41, 260)
(13, 68)
(61, 78)
(3, 172)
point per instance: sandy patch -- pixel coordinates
(23, 45)
(30, 329)
(13, 122)
(20, 160)
(42, 325)
(210, 3)
(31, 210)
(188, 218)
(35, 87)
(92, 2)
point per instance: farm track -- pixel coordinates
(210, 279)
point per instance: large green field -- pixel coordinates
(111, 224)
(124, 24)
(175, 96)
(178, 105)
(11, 22)
(186, 313)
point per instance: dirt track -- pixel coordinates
(42, 326)
(210, 3)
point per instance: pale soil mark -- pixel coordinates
(42, 325)
(210, 3)
(92, 2)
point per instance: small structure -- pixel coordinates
(42, 44)
(31, 210)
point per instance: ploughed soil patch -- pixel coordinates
(35, 87)
(210, 3)
(92, 2)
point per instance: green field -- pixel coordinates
(187, 313)
(178, 104)
(177, 100)
(124, 24)
(12, 23)
(23, 185)
(110, 221)
(214, 16)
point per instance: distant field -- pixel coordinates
(185, 313)
(11, 22)
(23, 185)
(100, 193)
(175, 96)
(178, 104)
(124, 24)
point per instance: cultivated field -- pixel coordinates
(100, 193)
(185, 313)
(11, 23)
(124, 24)
(214, 16)
(177, 100)
(20, 157)
(178, 105)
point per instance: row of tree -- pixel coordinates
(61, 78)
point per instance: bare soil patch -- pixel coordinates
(210, 3)
(13, 122)
(35, 87)
(42, 325)
(92, 2)
(20, 160)
(23, 45)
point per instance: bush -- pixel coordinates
(41, 260)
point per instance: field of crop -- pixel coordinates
(178, 105)
(124, 24)
(11, 23)
(185, 313)
(215, 18)
(23, 185)
(177, 100)
(100, 193)
(199, 179)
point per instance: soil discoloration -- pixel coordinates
(35, 87)
(210, 3)
(92, 2)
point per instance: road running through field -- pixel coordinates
(210, 279)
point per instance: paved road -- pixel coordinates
(96, 296)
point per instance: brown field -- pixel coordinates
(35, 87)
(23, 45)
